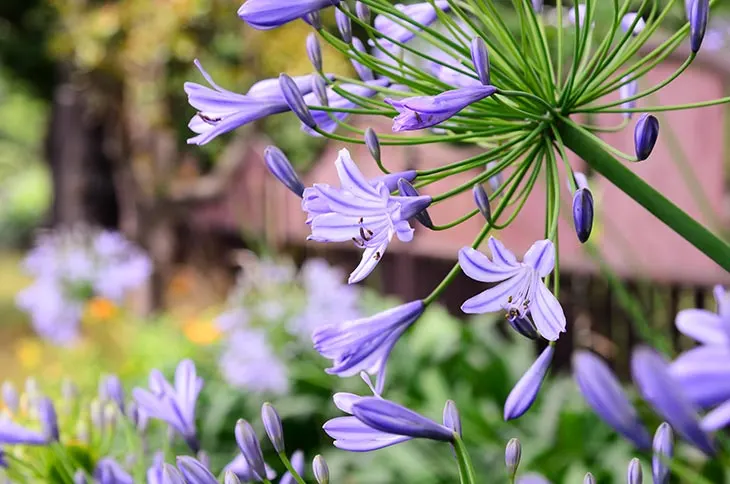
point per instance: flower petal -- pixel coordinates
(493, 299)
(353, 435)
(352, 178)
(541, 257)
(478, 266)
(704, 374)
(370, 258)
(500, 254)
(703, 326)
(717, 419)
(547, 313)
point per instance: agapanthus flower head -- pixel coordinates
(634, 472)
(602, 391)
(365, 344)
(524, 393)
(359, 212)
(421, 112)
(521, 291)
(646, 133)
(537, 5)
(663, 450)
(321, 470)
(176, 404)
(651, 375)
(269, 14)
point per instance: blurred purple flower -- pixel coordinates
(173, 405)
(248, 361)
(297, 462)
(269, 14)
(108, 471)
(239, 466)
(15, 434)
(520, 290)
(369, 216)
(399, 30)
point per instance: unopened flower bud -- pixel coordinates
(537, 5)
(452, 419)
(663, 450)
(110, 416)
(524, 393)
(524, 326)
(83, 434)
(626, 91)
(320, 469)
(407, 190)
(373, 143)
(194, 471)
(231, 478)
(279, 166)
(495, 181)
(698, 15)
(635, 474)
(314, 19)
(583, 213)
(319, 88)
(646, 133)
(628, 20)
(170, 475)
(512, 456)
(482, 201)
(272, 425)
(480, 58)
(589, 479)
(111, 390)
(10, 396)
(295, 100)
(365, 73)
(248, 443)
(363, 12)
(48, 418)
(344, 25)
(314, 51)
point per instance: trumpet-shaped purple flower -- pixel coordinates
(602, 391)
(391, 418)
(362, 213)
(524, 393)
(521, 291)
(12, 433)
(323, 119)
(173, 405)
(401, 31)
(365, 344)
(221, 110)
(421, 112)
(656, 385)
(269, 14)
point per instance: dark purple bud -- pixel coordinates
(524, 326)
(698, 15)
(373, 143)
(583, 213)
(314, 52)
(363, 12)
(344, 25)
(272, 425)
(407, 190)
(392, 418)
(525, 392)
(314, 19)
(663, 450)
(537, 5)
(634, 474)
(602, 392)
(269, 14)
(320, 469)
(512, 456)
(194, 471)
(48, 419)
(319, 88)
(482, 200)
(281, 168)
(295, 100)
(452, 419)
(589, 479)
(364, 72)
(480, 58)
(656, 385)
(250, 448)
(646, 133)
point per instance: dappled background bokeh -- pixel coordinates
(93, 129)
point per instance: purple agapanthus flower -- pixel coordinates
(365, 344)
(12, 433)
(269, 14)
(221, 110)
(421, 112)
(323, 119)
(392, 418)
(521, 291)
(421, 13)
(362, 213)
(651, 375)
(249, 361)
(173, 405)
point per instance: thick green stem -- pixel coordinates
(656, 203)
(466, 471)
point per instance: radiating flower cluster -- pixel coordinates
(73, 266)
(272, 313)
